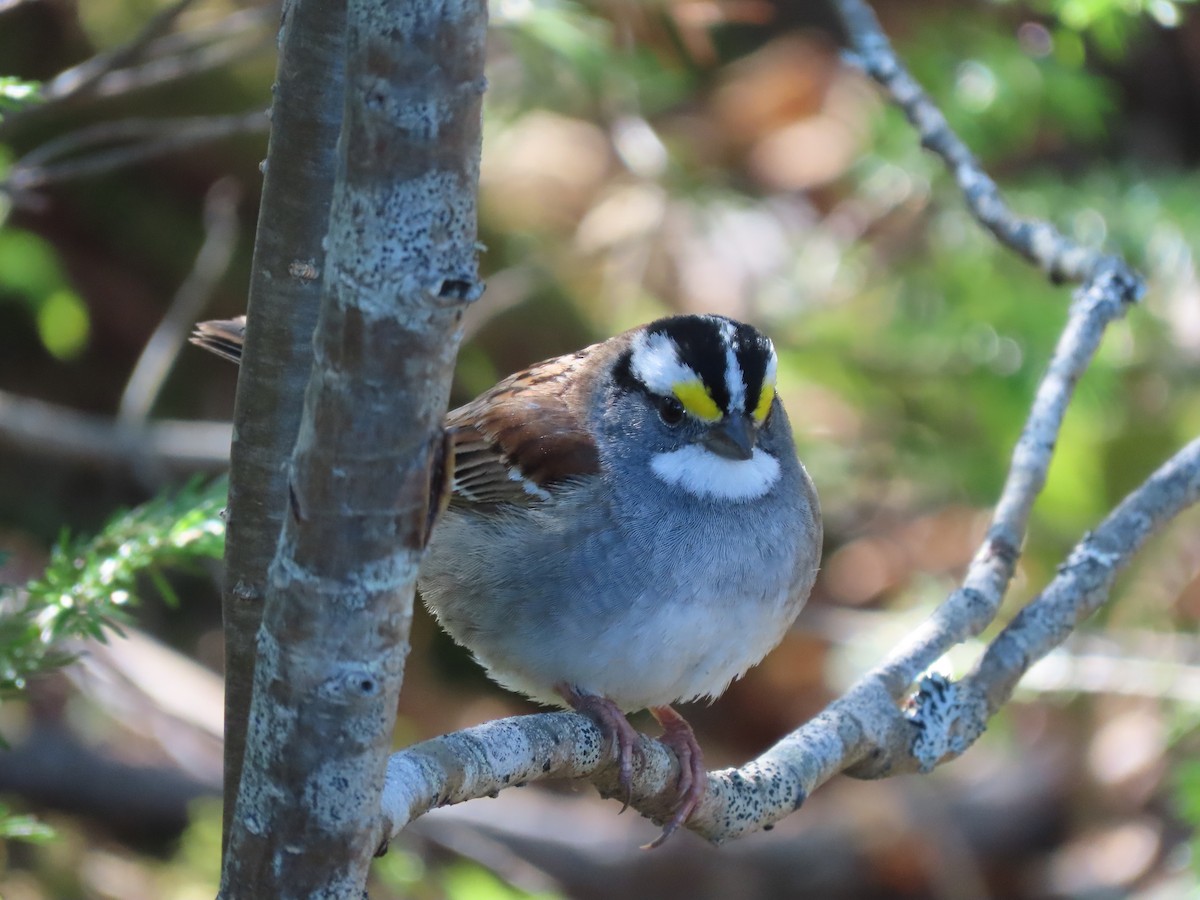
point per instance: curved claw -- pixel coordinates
(616, 729)
(693, 776)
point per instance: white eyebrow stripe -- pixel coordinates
(772, 373)
(655, 363)
(735, 379)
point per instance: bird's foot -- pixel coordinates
(615, 727)
(693, 777)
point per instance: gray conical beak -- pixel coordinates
(733, 438)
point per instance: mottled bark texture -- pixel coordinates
(306, 117)
(400, 270)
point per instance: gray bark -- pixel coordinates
(305, 120)
(400, 271)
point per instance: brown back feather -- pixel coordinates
(527, 416)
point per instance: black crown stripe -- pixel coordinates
(702, 348)
(753, 350)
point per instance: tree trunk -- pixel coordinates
(400, 272)
(283, 304)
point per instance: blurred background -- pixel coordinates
(640, 158)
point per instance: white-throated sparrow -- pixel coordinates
(629, 527)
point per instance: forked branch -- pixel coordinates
(874, 730)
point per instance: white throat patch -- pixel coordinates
(703, 473)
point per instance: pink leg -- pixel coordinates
(615, 727)
(693, 777)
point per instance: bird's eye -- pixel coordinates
(670, 410)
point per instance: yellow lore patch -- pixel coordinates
(764, 403)
(697, 400)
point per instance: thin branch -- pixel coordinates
(212, 261)
(192, 56)
(1077, 668)
(866, 733)
(970, 609)
(1078, 590)
(864, 724)
(1133, 663)
(153, 57)
(1039, 242)
(46, 430)
(101, 133)
(151, 138)
(80, 79)
(237, 24)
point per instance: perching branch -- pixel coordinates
(1079, 589)
(868, 732)
(863, 725)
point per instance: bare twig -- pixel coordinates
(1081, 586)
(1077, 670)
(235, 25)
(212, 261)
(153, 57)
(80, 79)
(973, 606)
(46, 430)
(149, 138)
(1039, 242)
(191, 54)
(1135, 663)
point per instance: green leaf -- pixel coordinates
(89, 584)
(16, 93)
(63, 324)
(23, 828)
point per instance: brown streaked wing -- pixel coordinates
(524, 425)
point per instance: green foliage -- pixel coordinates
(1187, 794)
(197, 863)
(16, 93)
(23, 828)
(1111, 24)
(30, 273)
(467, 881)
(1000, 97)
(401, 872)
(570, 63)
(88, 584)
